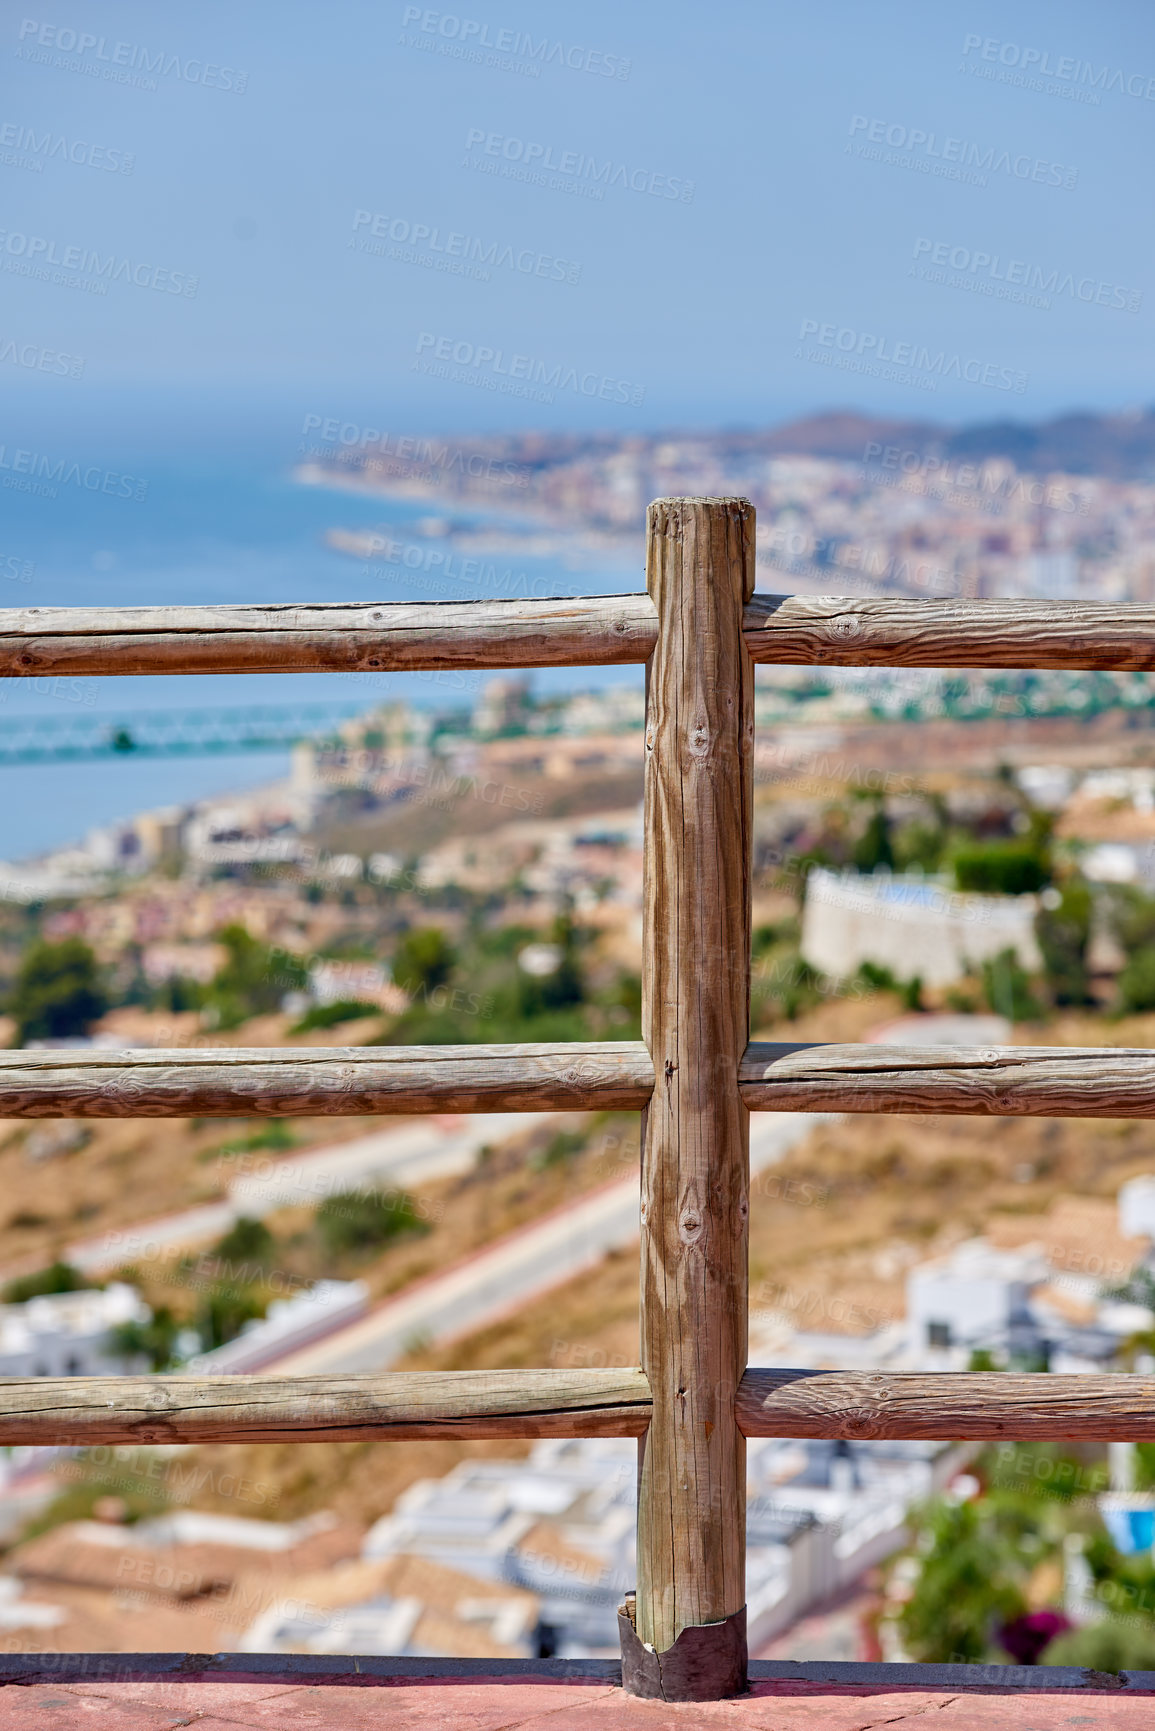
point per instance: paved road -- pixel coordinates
(401, 1156)
(517, 1269)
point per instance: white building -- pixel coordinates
(970, 1298)
(1137, 1207)
(69, 1333)
(913, 926)
(562, 1525)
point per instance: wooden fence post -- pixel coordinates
(686, 1637)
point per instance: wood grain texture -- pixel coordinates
(992, 1081)
(594, 630)
(325, 1081)
(695, 1010)
(333, 636)
(950, 1406)
(399, 1404)
(894, 631)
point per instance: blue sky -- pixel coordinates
(693, 303)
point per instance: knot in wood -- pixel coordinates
(699, 740)
(156, 1432)
(846, 625)
(337, 1081)
(690, 1223)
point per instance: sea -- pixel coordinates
(238, 528)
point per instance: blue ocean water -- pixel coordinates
(216, 529)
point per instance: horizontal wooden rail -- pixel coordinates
(591, 630)
(329, 1082)
(993, 1081)
(400, 1404)
(949, 1406)
(294, 1081)
(594, 630)
(894, 631)
(945, 1406)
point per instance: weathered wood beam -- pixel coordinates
(944, 1406)
(894, 631)
(991, 1081)
(1006, 1081)
(592, 630)
(400, 1405)
(964, 1406)
(695, 1130)
(325, 1081)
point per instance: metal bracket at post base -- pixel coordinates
(706, 1663)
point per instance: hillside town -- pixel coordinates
(847, 505)
(939, 859)
(399, 825)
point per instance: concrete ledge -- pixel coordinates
(242, 1692)
(318, 1670)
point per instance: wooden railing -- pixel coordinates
(693, 1401)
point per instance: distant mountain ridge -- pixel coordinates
(1120, 446)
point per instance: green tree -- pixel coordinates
(873, 847)
(1137, 982)
(564, 989)
(1131, 915)
(965, 1588)
(332, 1015)
(154, 1340)
(252, 980)
(361, 1220)
(60, 1277)
(223, 1311)
(58, 992)
(1001, 868)
(423, 960)
(1107, 1646)
(248, 1242)
(1064, 933)
(1007, 988)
